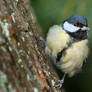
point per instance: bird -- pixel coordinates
(67, 44)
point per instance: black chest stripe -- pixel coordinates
(62, 52)
(59, 55)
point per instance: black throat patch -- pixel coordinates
(79, 35)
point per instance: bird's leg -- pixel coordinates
(61, 81)
(43, 42)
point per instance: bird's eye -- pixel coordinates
(75, 25)
(79, 24)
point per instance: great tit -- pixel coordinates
(67, 44)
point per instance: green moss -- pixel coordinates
(36, 90)
(10, 48)
(25, 89)
(3, 82)
(5, 25)
(28, 77)
(31, 34)
(23, 39)
(19, 60)
(53, 82)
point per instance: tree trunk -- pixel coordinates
(24, 66)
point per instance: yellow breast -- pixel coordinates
(57, 39)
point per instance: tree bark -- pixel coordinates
(24, 66)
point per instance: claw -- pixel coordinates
(60, 84)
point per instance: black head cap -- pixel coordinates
(78, 20)
(78, 23)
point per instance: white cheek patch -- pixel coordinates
(69, 27)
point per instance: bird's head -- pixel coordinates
(76, 26)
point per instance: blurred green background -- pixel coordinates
(50, 12)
